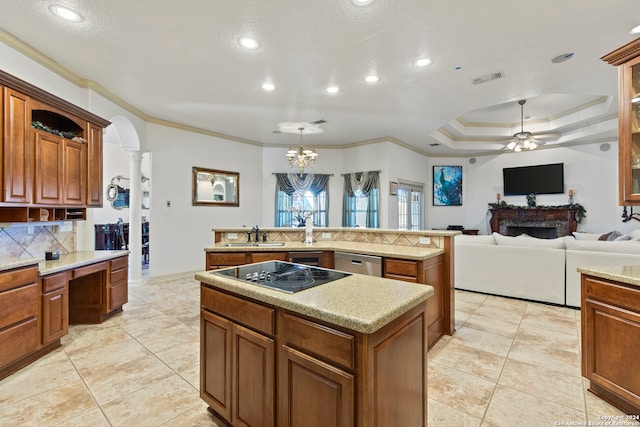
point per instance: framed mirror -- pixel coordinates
(213, 187)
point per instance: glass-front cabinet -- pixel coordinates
(627, 58)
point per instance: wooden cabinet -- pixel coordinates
(429, 272)
(17, 148)
(627, 58)
(94, 160)
(118, 284)
(74, 173)
(55, 307)
(19, 306)
(51, 155)
(326, 375)
(49, 172)
(610, 322)
(237, 363)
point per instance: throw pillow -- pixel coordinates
(586, 236)
(612, 235)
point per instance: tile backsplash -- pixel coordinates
(32, 241)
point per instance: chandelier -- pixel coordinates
(301, 156)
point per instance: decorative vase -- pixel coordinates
(531, 200)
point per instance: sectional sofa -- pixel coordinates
(536, 269)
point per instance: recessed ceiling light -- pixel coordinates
(372, 78)
(332, 89)
(362, 2)
(422, 62)
(268, 86)
(65, 13)
(249, 43)
(635, 30)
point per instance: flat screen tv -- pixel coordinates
(539, 179)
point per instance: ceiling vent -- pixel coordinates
(487, 78)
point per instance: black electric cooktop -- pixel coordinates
(282, 276)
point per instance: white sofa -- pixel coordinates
(534, 269)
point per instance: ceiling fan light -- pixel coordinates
(527, 143)
(532, 145)
(517, 149)
(511, 145)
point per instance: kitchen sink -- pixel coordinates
(270, 244)
(233, 244)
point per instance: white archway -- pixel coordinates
(122, 132)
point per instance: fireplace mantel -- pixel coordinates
(562, 219)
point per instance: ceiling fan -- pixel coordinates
(524, 139)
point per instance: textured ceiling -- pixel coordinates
(180, 62)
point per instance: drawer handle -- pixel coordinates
(356, 262)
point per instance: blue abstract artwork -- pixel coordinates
(447, 186)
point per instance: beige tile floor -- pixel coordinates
(510, 363)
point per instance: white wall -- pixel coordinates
(178, 234)
(590, 172)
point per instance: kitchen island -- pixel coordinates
(419, 256)
(610, 322)
(351, 352)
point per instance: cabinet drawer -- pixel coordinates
(269, 256)
(318, 340)
(89, 269)
(612, 293)
(54, 281)
(411, 279)
(18, 341)
(18, 304)
(18, 277)
(119, 276)
(401, 267)
(219, 260)
(118, 263)
(250, 314)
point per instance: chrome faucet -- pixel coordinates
(257, 231)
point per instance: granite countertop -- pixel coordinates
(629, 274)
(358, 302)
(8, 264)
(345, 229)
(77, 259)
(385, 250)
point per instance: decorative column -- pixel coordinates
(135, 217)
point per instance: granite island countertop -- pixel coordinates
(385, 250)
(629, 274)
(357, 302)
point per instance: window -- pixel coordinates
(361, 200)
(299, 196)
(410, 207)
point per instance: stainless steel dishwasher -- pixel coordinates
(358, 263)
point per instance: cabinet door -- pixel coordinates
(94, 172)
(629, 132)
(17, 148)
(74, 170)
(313, 393)
(215, 363)
(253, 380)
(55, 315)
(48, 173)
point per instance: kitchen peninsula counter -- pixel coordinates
(350, 352)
